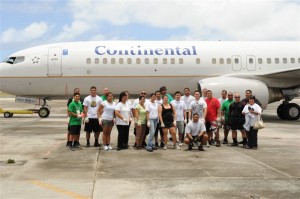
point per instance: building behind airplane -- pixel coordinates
(270, 69)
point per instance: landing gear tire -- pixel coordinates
(7, 114)
(291, 111)
(43, 112)
(280, 110)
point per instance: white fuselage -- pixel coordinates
(55, 69)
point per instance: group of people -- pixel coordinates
(196, 118)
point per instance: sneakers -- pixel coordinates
(87, 144)
(176, 146)
(200, 148)
(235, 144)
(225, 141)
(68, 144)
(105, 148)
(156, 144)
(207, 144)
(150, 149)
(218, 144)
(96, 144)
(162, 145)
(241, 142)
(165, 147)
(190, 147)
(109, 147)
(180, 144)
(71, 148)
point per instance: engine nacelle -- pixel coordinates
(239, 85)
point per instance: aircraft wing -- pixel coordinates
(293, 74)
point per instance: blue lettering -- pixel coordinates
(97, 50)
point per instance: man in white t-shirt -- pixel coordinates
(180, 115)
(159, 101)
(195, 132)
(223, 97)
(187, 98)
(198, 106)
(91, 104)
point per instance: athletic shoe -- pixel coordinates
(207, 144)
(176, 146)
(235, 144)
(87, 144)
(154, 148)
(212, 142)
(68, 144)
(200, 148)
(225, 141)
(241, 142)
(149, 149)
(180, 144)
(165, 147)
(96, 144)
(71, 148)
(109, 147)
(218, 144)
(162, 145)
(76, 146)
(190, 147)
(119, 149)
(156, 144)
(105, 148)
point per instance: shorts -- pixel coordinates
(92, 126)
(106, 123)
(227, 126)
(69, 127)
(75, 129)
(236, 125)
(211, 126)
(168, 125)
(180, 126)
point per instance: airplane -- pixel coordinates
(271, 69)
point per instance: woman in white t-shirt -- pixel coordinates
(153, 119)
(123, 118)
(106, 115)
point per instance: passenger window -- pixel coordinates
(260, 61)
(88, 60)
(165, 61)
(155, 61)
(292, 60)
(113, 60)
(284, 60)
(180, 60)
(129, 61)
(236, 60)
(138, 60)
(276, 60)
(228, 61)
(250, 60)
(96, 60)
(299, 60)
(146, 60)
(269, 61)
(198, 61)
(221, 60)
(121, 61)
(172, 61)
(214, 60)
(104, 60)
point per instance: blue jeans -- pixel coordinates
(153, 125)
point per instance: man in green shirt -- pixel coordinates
(163, 91)
(75, 113)
(105, 92)
(225, 112)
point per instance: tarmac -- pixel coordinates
(45, 168)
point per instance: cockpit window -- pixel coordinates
(15, 60)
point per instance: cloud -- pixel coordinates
(204, 20)
(29, 33)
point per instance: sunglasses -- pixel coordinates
(143, 93)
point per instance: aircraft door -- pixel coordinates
(236, 63)
(251, 63)
(54, 62)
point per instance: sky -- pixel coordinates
(28, 23)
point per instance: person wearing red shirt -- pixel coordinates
(213, 112)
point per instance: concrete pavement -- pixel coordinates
(44, 167)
